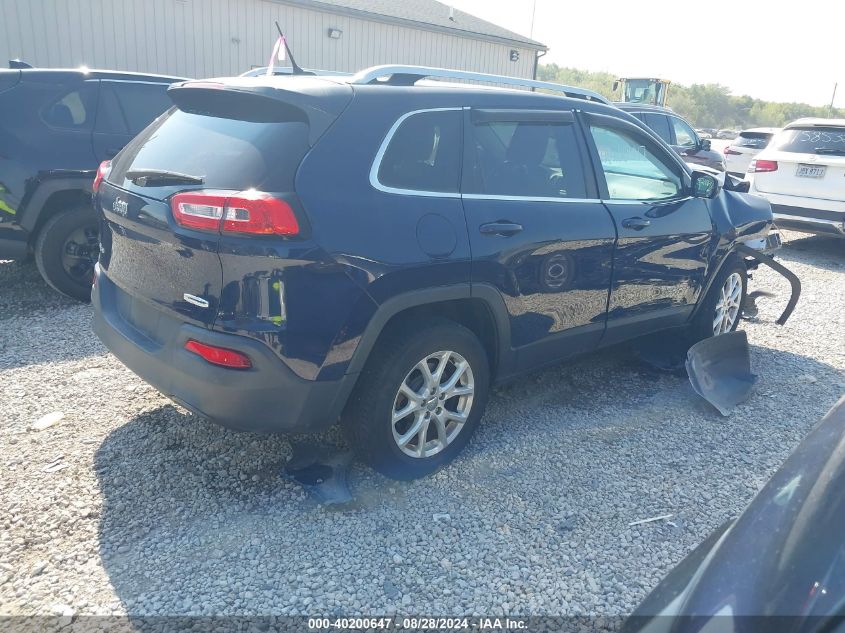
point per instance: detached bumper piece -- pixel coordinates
(719, 370)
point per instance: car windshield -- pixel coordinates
(811, 140)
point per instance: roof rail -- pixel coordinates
(409, 75)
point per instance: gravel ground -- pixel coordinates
(128, 504)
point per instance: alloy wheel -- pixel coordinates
(432, 404)
(728, 305)
(80, 252)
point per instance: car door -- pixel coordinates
(686, 142)
(125, 108)
(665, 234)
(659, 123)
(538, 232)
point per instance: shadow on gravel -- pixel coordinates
(198, 520)
(819, 251)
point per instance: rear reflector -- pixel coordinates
(219, 355)
(102, 173)
(759, 166)
(248, 212)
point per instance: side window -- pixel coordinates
(528, 159)
(684, 136)
(424, 154)
(141, 102)
(74, 110)
(110, 118)
(631, 169)
(660, 124)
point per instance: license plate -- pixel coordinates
(810, 171)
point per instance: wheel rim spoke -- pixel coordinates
(413, 432)
(405, 411)
(460, 418)
(422, 435)
(409, 393)
(459, 391)
(460, 369)
(442, 435)
(428, 377)
(441, 366)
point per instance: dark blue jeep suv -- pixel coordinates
(281, 252)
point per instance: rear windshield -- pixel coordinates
(753, 140)
(225, 153)
(811, 140)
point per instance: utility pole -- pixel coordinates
(533, 11)
(832, 99)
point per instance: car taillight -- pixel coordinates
(102, 172)
(256, 212)
(757, 166)
(731, 152)
(248, 212)
(198, 210)
(219, 355)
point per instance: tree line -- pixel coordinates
(704, 105)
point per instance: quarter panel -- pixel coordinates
(389, 243)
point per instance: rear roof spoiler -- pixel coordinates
(235, 98)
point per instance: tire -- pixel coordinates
(66, 250)
(703, 325)
(368, 420)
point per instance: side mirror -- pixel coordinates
(615, 86)
(704, 185)
(705, 144)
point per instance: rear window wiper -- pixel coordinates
(144, 177)
(829, 150)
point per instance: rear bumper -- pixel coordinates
(268, 397)
(809, 220)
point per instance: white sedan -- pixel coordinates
(746, 146)
(802, 174)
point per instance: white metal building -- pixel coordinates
(206, 38)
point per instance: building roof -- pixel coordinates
(421, 14)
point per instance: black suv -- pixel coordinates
(56, 127)
(281, 252)
(678, 133)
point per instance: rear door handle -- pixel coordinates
(637, 223)
(502, 228)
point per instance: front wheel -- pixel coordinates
(419, 399)
(722, 307)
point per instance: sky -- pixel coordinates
(770, 49)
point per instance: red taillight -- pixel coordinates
(757, 166)
(219, 355)
(251, 212)
(199, 210)
(102, 172)
(731, 152)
